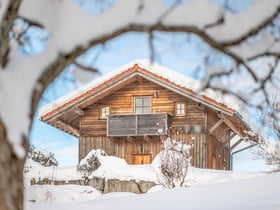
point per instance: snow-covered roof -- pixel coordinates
(164, 73)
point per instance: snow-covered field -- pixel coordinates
(207, 189)
(254, 193)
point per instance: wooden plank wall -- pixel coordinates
(121, 102)
(222, 132)
(189, 129)
(125, 148)
(199, 149)
(218, 155)
(122, 148)
(87, 143)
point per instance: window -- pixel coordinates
(180, 108)
(141, 148)
(142, 105)
(104, 111)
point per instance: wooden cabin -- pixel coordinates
(129, 111)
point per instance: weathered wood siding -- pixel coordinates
(208, 150)
(199, 147)
(222, 131)
(128, 148)
(88, 143)
(218, 153)
(122, 148)
(122, 102)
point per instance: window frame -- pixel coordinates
(101, 111)
(181, 109)
(142, 107)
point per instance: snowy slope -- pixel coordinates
(116, 168)
(218, 189)
(259, 193)
(234, 189)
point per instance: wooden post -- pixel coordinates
(62, 124)
(236, 144)
(230, 124)
(215, 126)
(229, 138)
(79, 111)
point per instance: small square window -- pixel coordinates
(142, 105)
(104, 111)
(180, 109)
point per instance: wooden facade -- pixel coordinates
(133, 113)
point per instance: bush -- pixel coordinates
(43, 157)
(91, 162)
(173, 163)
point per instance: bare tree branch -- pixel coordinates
(151, 45)
(32, 22)
(265, 54)
(54, 69)
(253, 31)
(86, 68)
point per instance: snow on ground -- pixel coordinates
(117, 168)
(37, 171)
(111, 168)
(256, 193)
(217, 189)
(198, 176)
(60, 193)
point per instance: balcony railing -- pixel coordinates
(138, 124)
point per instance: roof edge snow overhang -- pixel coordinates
(186, 92)
(86, 96)
(148, 75)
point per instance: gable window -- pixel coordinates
(104, 111)
(142, 105)
(180, 108)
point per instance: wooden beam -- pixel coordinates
(230, 124)
(229, 138)
(200, 106)
(79, 111)
(130, 138)
(140, 80)
(115, 139)
(67, 127)
(236, 144)
(215, 126)
(221, 134)
(147, 138)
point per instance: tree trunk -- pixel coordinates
(11, 175)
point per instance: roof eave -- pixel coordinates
(136, 70)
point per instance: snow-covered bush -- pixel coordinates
(91, 162)
(43, 157)
(269, 142)
(172, 163)
(270, 151)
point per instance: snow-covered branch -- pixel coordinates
(72, 31)
(238, 27)
(6, 23)
(220, 30)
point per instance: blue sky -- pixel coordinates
(184, 54)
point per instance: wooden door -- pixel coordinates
(142, 159)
